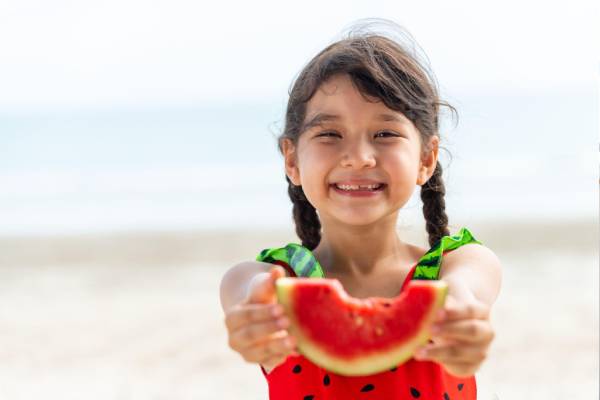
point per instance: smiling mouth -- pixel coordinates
(360, 188)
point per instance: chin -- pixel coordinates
(358, 220)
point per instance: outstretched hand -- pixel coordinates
(257, 326)
(462, 339)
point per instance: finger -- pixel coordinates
(262, 287)
(277, 272)
(256, 332)
(245, 314)
(468, 330)
(439, 340)
(472, 309)
(453, 353)
(281, 346)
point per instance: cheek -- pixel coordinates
(314, 175)
(314, 163)
(403, 165)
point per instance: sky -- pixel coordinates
(66, 54)
(115, 114)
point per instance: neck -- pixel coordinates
(360, 250)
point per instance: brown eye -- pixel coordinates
(386, 134)
(329, 134)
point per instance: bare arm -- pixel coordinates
(461, 343)
(236, 281)
(473, 268)
(256, 326)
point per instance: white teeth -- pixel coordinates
(358, 187)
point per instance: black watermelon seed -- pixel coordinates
(326, 380)
(387, 305)
(309, 397)
(367, 388)
(415, 393)
(460, 386)
(394, 369)
(297, 369)
(446, 397)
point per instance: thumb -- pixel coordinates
(262, 287)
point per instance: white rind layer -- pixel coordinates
(369, 364)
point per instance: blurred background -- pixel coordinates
(138, 162)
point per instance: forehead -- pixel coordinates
(338, 96)
(337, 99)
(339, 88)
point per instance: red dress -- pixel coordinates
(299, 379)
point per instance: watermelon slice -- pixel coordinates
(351, 336)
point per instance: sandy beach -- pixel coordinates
(136, 315)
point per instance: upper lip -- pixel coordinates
(357, 182)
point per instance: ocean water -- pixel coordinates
(513, 155)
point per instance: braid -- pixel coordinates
(308, 226)
(434, 206)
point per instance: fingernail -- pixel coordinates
(441, 314)
(436, 329)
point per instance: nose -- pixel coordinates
(358, 155)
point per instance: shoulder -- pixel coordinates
(244, 270)
(473, 254)
(250, 266)
(235, 281)
(478, 267)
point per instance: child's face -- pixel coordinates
(361, 145)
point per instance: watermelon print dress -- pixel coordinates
(297, 378)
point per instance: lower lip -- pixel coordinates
(358, 193)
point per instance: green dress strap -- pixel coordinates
(298, 257)
(428, 267)
(304, 264)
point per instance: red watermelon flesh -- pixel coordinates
(351, 336)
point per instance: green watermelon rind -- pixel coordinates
(373, 362)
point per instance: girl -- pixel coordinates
(361, 132)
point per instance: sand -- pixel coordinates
(137, 315)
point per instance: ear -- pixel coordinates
(291, 162)
(429, 159)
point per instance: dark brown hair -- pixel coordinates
(381, 68)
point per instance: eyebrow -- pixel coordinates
(320, 118)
